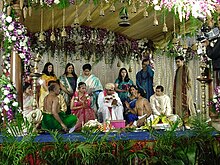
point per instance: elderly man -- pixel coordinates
(110, 104)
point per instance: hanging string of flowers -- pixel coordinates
(88, 41)
(15, 39)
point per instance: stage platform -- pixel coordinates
(110, 136)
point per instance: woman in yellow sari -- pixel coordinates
(48, 75)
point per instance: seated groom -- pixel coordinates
(161, 105)
(110, 105)
(53, 117)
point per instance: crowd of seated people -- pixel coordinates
(69, 102)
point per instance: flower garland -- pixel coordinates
(185, 8)
(8, 98)
(90, 42)
(14, 39)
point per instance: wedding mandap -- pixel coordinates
(108, 34)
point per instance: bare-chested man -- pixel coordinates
(142, 108)
(53, 117)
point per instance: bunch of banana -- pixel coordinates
(165, 120)
(156, 120)
(145, 126)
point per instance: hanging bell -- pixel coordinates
(89, 18)
(63, 33)
(93, 58)
(29, 11)
(134, 9)
(102, 13)
(9, 10)
(21, 4)
(76, 21)
(112, 8)
(1, 5)
(155, 21)
(106, 60)
(194, 47)
(145, 13)
(78, 56)
(175, 41)
(25, 11)
(52, 37)
(86, 57)
(130, 68)
(119, 64)
(165, 29)
(41, 37)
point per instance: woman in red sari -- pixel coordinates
(81, 106)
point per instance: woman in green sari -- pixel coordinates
(122, 84)
(68, 84)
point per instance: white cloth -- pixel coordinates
(160, 104)
(105, 103)
(149, 119)
(28, 111)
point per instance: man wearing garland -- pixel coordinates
(110, 105)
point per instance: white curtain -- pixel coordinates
(164, 71)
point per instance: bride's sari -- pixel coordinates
(83, 114)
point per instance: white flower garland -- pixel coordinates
(14, 39)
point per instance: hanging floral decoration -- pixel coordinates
(15, 39)
(183, 8)
(87, 42)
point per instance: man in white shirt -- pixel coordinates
(160, 102)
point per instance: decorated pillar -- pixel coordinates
(16, 62)
(16, 75)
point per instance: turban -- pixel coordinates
(109, 86)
